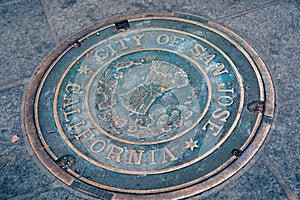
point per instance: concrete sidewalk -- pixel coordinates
(31, 29)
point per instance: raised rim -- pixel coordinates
(181, 193)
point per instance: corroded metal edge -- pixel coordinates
(31, 130)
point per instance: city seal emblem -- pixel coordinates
(156, 105)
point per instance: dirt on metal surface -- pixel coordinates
(157, 105)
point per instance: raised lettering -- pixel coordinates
(70, 127)
(153, 157)
(112, 50)
(98, 146)
(137, 39)
(137, 159)
(84, 134)
(207, 59)
(167, 153)
(72, 87)
(224, 103)
(220, 114)
(221, 88)
(175, 41)
(69, 102)
(197, 50)
(116, 155)
(219, 69)
(66, 114)
(122, 42)
(212, 126)
(163, 39)
(103, 56)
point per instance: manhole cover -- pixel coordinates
(162, 105)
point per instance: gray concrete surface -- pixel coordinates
(31, 29)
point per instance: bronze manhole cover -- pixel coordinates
(162, 105)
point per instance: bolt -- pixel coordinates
(237, 152)
(256, 106)
(122, 25)
(76, 44)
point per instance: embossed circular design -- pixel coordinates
(169, 110)
(162, 103)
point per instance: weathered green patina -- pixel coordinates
(163, 104)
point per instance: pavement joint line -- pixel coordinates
(80, 193)
(11, 2)
(16, 83)
(276, 173)
(288, 102)
(167, 5)
(297, 5)
(238, 14)
(48, 16)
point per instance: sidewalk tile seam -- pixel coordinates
(288, 102)
(25, 81)
(7, 3)
(167, 5)
(247, 11)
(286, 188)
(49, 21)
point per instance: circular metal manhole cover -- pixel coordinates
(163, 105)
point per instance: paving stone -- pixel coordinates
(273, 32)
(256, 183)
(57, 193)
(19, 173)
(283, 147)
(215, 9)
(70, 16)
(274, 35)
(4, 1)
(25, 40)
